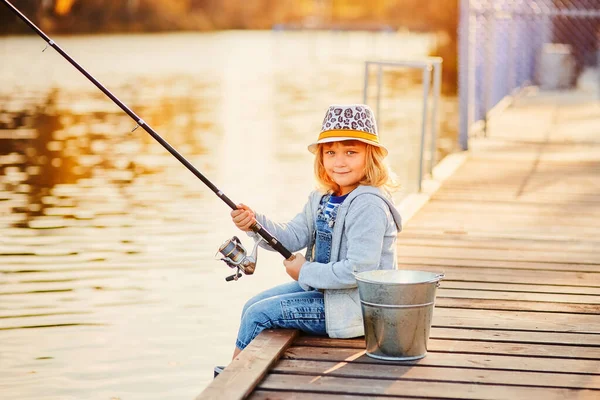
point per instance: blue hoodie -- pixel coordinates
(364, 239)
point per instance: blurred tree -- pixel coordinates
(72, 16)
(135, 15)
(9, 23)
(437, 16)
(63, 7)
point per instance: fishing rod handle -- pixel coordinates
(273, 242)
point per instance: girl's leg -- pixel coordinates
(299, 310)
(291, 287)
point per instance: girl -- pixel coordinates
(349, 226)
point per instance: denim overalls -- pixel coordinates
(288, 305)
(326, 215)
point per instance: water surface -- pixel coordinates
(109, 288)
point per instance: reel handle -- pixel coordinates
(233, 277)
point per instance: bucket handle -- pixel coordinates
(439, 277)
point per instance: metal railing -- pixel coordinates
(429, 66)
(505, 45)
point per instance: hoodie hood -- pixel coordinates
(371, 190)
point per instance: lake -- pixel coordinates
(109, 284)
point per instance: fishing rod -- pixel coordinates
(234, 253)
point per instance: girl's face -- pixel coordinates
(344, 163)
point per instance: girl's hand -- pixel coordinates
(243, 217)
(294, 266)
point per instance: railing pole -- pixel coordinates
(512, 65)
(379, 79)
(437, 89)
(366, 84)
(598, 60)
(426, 85)
(465, 83)
(488, 84)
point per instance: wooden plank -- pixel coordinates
(586, 207)
(463, 375)
(581, 184)
(519, 296)
(454, 207)
(243, 374)
(472, 347)
(573, 201)
(490, 210)
(515, 212)
(454, 360)
(567, 175)
(516, 305)
(530, 187)
(406, 260)
(517, 320)
(510, 219)
(518, 287)
(515, 236)
(507, 227)
(532, 184)
(533, 255)
(497, 243)
(526, 234)
(519, 191)
(494, 335)
(288, 394)
(484, 335)
(522, 180)
(406, 387)
(506, 275)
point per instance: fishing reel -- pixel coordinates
(235, 256)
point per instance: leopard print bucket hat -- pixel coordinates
(348, 122)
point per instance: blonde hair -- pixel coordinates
(377, 171)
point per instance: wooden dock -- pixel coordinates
(516, 230)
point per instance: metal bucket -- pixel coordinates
(397, 307)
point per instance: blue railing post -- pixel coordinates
(464, 73)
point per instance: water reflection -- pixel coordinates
(42, 162)
(107, 241)
(51, 148)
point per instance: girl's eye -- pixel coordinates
(350, 152)
(330, 152)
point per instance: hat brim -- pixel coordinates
(313, 146)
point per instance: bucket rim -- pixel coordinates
(438, 277)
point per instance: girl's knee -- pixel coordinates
(254, 321)
(254, 313)
(250, 303)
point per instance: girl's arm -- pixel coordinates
(366, 225)
(294, 235)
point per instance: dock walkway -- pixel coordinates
(516, 230)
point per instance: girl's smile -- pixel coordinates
(344, 162)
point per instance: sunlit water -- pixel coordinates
(109, 288)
